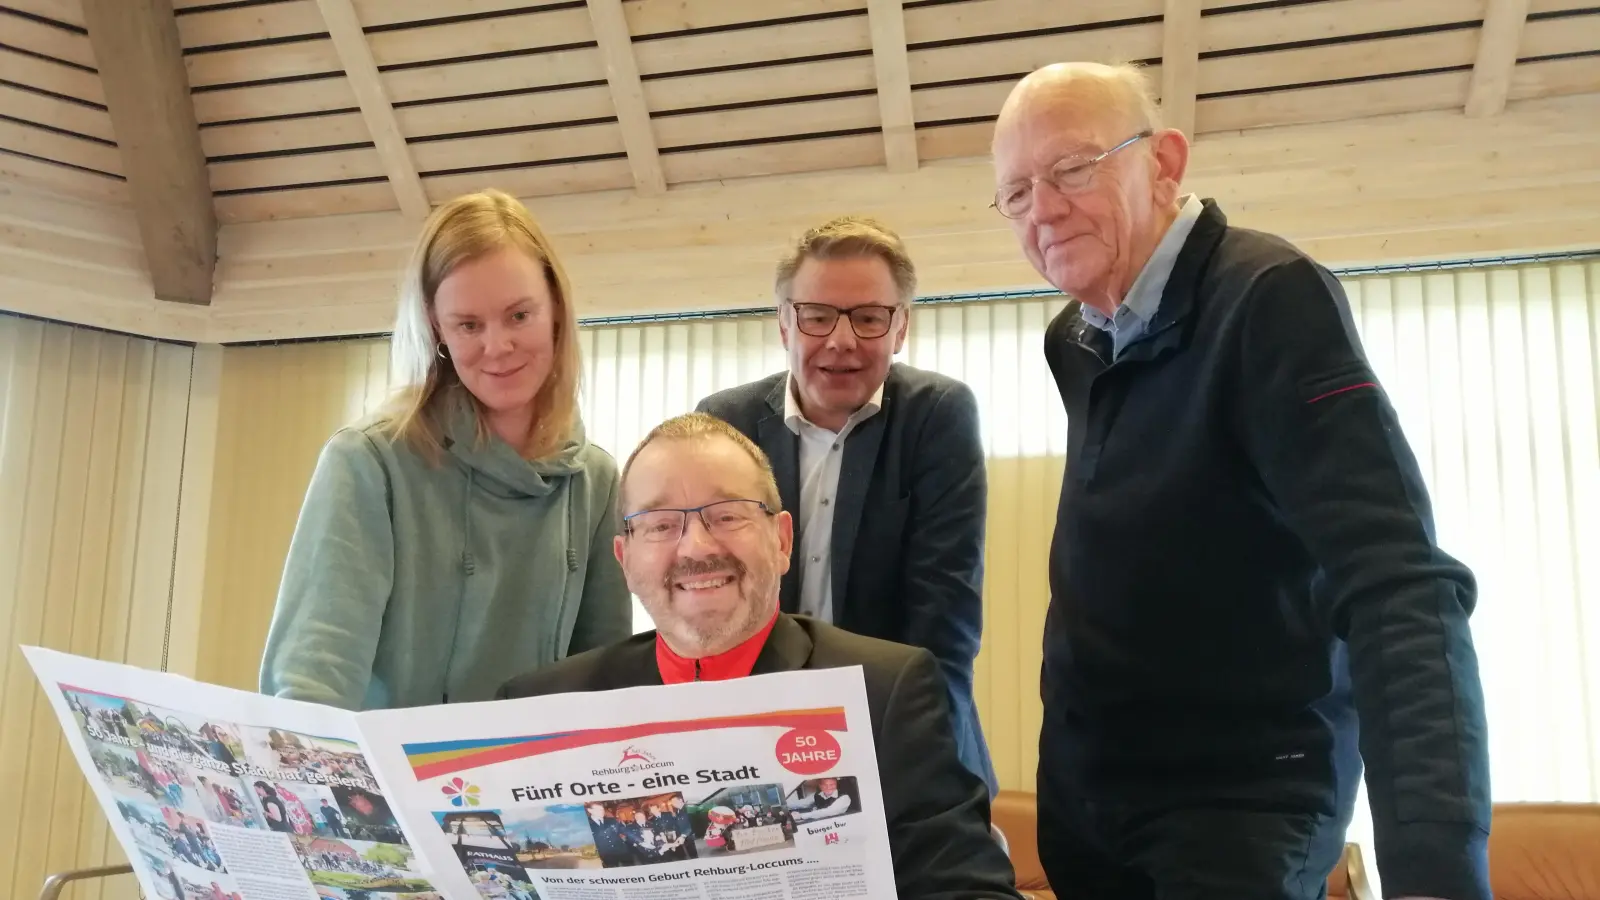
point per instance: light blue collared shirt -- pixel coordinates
(1144, 298)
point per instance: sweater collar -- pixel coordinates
(498, 467)
(734, 663)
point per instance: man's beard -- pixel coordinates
(714, 634)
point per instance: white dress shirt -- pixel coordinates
(821, 452)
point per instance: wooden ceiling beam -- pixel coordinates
(147, 93)
(627, 95)
(890, 61)
(1498, 41)
(1180, 63)
(355, 55)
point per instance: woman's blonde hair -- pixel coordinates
(467, 228)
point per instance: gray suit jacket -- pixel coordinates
(908, 523)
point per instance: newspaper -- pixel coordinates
(761, 788)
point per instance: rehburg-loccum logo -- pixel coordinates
(461, 793)
(634, 759)
(634, 754)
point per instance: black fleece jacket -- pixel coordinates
(1244, 567)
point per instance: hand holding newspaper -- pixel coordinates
(763, 788)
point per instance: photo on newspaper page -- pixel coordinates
(763, 787)
(218, 794)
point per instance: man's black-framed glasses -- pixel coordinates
(721, 518)
(819, 319)
(1068, 176)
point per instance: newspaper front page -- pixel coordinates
(762, 788)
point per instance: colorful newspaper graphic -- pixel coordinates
(763, 787)
(757, 787)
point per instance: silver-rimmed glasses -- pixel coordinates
(1068, 176)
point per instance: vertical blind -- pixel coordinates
(92, 432)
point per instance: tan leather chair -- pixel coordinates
(1545, 851)
(1348, 880)
(1015, 813)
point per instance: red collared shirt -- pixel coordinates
(734, 663)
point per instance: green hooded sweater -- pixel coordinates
(409, 584)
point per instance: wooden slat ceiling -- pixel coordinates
(515, 93)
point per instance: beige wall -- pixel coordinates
(97, 460)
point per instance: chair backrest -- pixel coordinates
(1348, 880)
(1015, 814)
(1545, 851)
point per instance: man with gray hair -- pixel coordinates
(1244, 565)
(881, 463)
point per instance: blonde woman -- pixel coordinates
(464, 535)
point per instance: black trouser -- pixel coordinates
(1107, 851)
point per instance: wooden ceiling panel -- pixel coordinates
(979, 18)
(301, 203)
(299, 169)
(478, 37)
(1336, 61)
(1569, 34)
(50, 40)
(774, 159)
(515, 93)
(1019, 56)
(54, 112)
(535, 181)
(247, 64)
(17, 137)
(961, 101)
(1550, 6)
(1329, 20)
(64, 181)
(47, 243)
(653, 17)
(67, 12)
(44, 75)
(493, 113)
(338, 264)
(954, 141)
(384, 13)
(767, 122)
(277, 135)
(506, 150)
(297, 98)
(237, 25)
(520, 73)
(36, 210)
(778, 83)
(1332, 103)
(747, 46)
(1555, 78)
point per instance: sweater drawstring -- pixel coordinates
(468, 566)
(572, 532)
